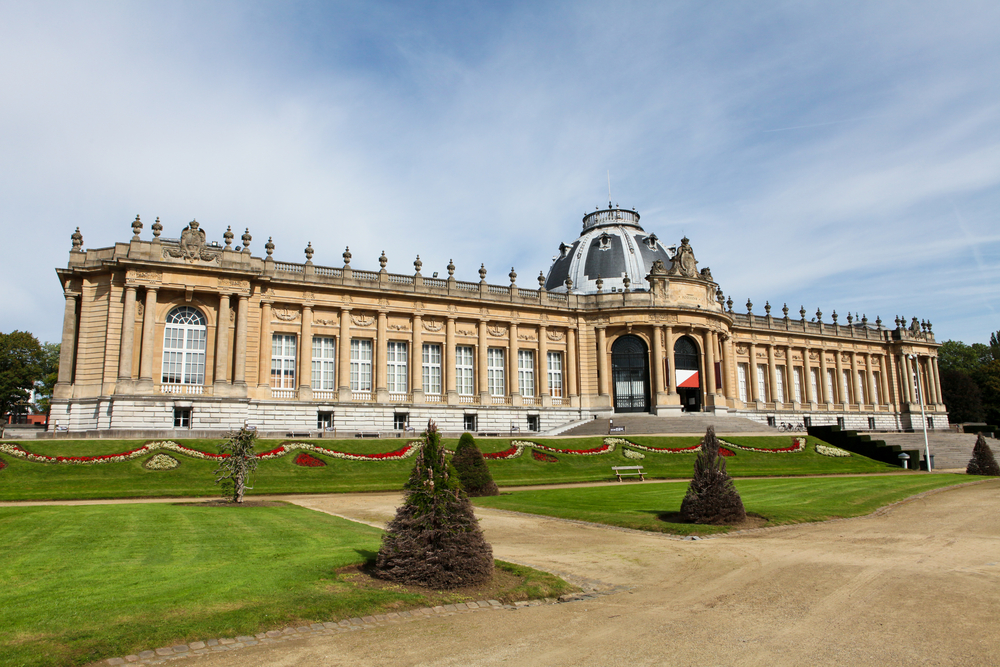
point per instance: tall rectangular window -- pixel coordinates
(495, 371)
(831, 396)
(324, 364)
(814, 383)
(862, 391)
(846, 386)
(797, 383)
(361, 364)
(396, 359)
(526, 372)
(432, 368)
(463, 371)
(283, 361)
(555, 374)
(762, 382)
(876, 384)
(779, 377)
(741, 376)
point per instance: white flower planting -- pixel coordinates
(830, 450)
(632, 454)
(161, 462)
(798, 445)
(603, 449)
(656, 450)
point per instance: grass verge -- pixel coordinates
(90, 582)
(779, 501)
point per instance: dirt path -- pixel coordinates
(917, 584)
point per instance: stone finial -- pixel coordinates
(136, 227)
(784, 309)
(482, 273)
(157, 228)
(599, 282)
(451, 268)
(819, 315)
(899, 321)
(719, 296)
(246, 238)
(512, 275)
(417, 264)
(268, 247)
(347, 256)
(569, 284)
(850, 318)
(802, 312)
(309, 252)
(878, 321)
(77, 239)
(864, 320)
(834, 316)
(541, 280)
(626, 282)
(383, 260)
(930, 327)
(767, 307)
(729, 304)
(227, 237)
(749, 306)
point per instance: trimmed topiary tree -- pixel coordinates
(435, 539)
(982, 461)
(472, 469)
(712, 498)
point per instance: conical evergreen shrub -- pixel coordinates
(982, 461)
(712, 498)
(435, 539)
(472, 469)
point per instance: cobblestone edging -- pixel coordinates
(180, 651)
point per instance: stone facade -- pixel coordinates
(185, 334)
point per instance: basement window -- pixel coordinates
(182, 417)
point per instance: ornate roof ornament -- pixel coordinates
(451, 268)
(569, 284)
(417, 264)
(802, 312)
(246, 238)
(850, 318)
(309, 252)
(77, 239)
(719, 296)
(482, 273)
(192, 245)
(136, 227)
(834, 316)
(626, 282)
(784, 309)
(347, 256)
(684, 263)
(749, 307)
(227, 237)
(269, 246)
(767, 307)
(819, 315)
(383, 260)
(512, 275)
(599, 282)
(541, 280)
(729, 304)
(157, 228)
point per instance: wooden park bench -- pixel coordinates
(367, 434)
(629, 471)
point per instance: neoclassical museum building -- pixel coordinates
(186, 333)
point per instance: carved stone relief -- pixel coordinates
(397, 327)
(362, 320)
(142, 277)
(496, 330)
(231, 283)
(192, 246)
(555, 336)
(285, 314)
(433, 325)
(465, 332)
(527, 337)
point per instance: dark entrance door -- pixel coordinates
(630, 374)
(686, 374)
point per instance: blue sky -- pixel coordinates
(842, 156)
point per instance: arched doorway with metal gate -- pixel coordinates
(630, 374)
(686, 373)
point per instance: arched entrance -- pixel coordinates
(630, 374)
(686, 373)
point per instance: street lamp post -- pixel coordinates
(923, 419)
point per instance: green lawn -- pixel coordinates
(781, 501)
(23, 480)
(86, 583)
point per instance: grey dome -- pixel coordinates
(612, 246)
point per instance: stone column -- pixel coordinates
(884, 379)
(305, 354)
(937, 380)
(772, 373)
(790, 376)
(381, 360)
(931, 391)
(870, 379)
(602, 363)
(572, 389)
(542, 379)
(752, 371)
(824, 391)
(264, 360)
(417, 359)
(839, 384)
(671, 369)
(807, 387)
(709, 343)
(727, 368)
(148, 341)
(67, 347)
(513, 389)
(484, 388)
(240, 365)
(860, 400)
(907, 378)
(222, 341)
(449, 360)
(657, 364)
(124, 384)
(344, 356)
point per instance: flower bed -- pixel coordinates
(632, 454)
(603, 449)
(656, 450)
(829, 450)
(542, 456)
(14, 450)
(3, 464)
(510, 453)
(798, 445)
(726, 452)
(308, 461)
(161, 462)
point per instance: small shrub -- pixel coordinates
(712, 498)
(472, 469)
(982, 461)
(435, 539)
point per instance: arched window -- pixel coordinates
(184, 347)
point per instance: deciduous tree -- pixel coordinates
(20, 367)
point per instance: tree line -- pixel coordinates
(25, 366)
(970, 380)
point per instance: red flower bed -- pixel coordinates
(542, 456)
(308, 461)
(2, 464)
(726, 452)
(505, 454)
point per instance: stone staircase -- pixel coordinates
(950, 450)
(685, 424)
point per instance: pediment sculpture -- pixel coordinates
(193, 246)
(684, 263)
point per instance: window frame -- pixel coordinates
(465, 370)
(324, 364)
(283, 360)
(526, 373)
(431, 356)
(397, 366)
(555, 373)
(496, 371)
(187, 360)
(361, 365)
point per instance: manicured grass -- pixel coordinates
(23, 480)
(86, 583)
(781, 501)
